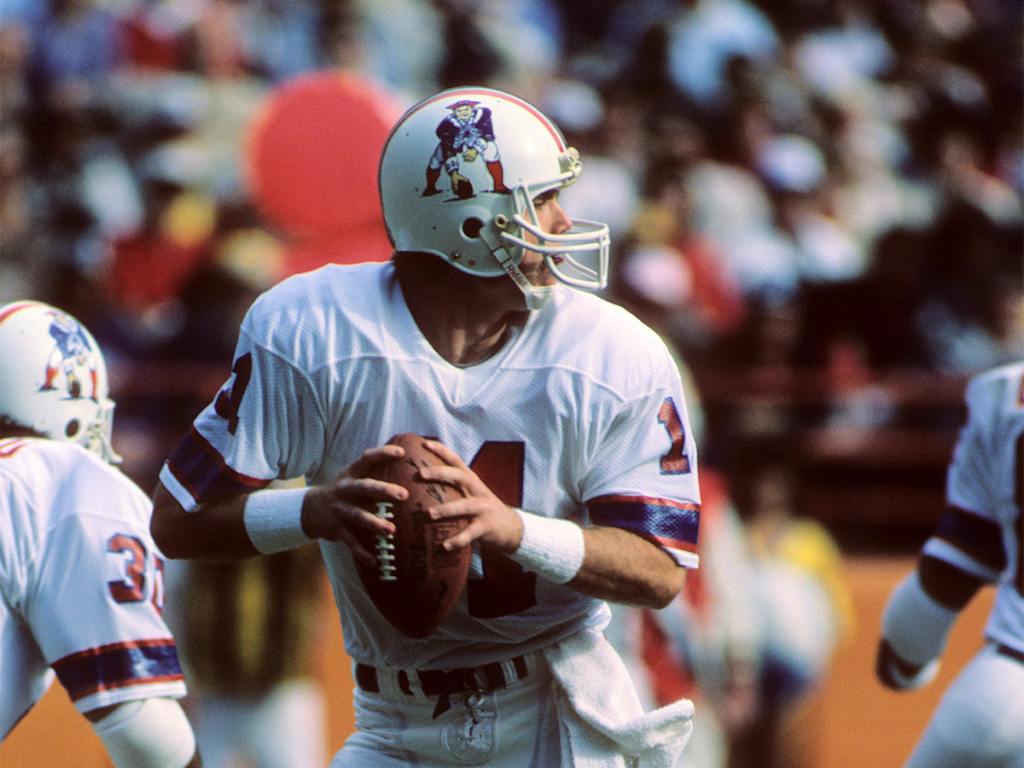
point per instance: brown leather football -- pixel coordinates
(416, 582)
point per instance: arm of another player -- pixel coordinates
(273, 520)
(151, 733)
(917, 621)
(609, 563)
(965, 552)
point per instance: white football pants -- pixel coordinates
(980, 721)
(515, 727)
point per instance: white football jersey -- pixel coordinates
(80, 581)
(985, 487)
(580, 415)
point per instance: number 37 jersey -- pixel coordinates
(81, 583)
(580, 415)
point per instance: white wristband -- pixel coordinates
(273, 519)
(550, 548)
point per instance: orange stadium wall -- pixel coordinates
(853, 723)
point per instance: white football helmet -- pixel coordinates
(458, 178)
(53, 379)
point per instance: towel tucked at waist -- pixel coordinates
(603, 723)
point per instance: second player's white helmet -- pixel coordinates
(53, 379)
(458, 177)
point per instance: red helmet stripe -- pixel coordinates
(17, 307)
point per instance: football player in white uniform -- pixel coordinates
(980, 721)
(81, 585)
(560, 415)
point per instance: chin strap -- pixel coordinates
(536, 296)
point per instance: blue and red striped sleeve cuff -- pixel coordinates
(201, 471)
(118, 665)
(977, 537)
(672, 524)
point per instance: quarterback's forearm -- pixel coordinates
(610, 563)
(622, 567)
(211, 532)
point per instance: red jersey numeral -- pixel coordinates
(506, 587)
(675, 462)
(229, 400)
(131, 588)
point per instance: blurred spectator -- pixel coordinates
(148, 267)
(15, 50)
(706, 35)
(217, 40)
(974, 270)
(402, 45)
(672, 275)
(154, 34)
(248, 628)
(842, 58)
(247, 631)
(794, 169)
(805, 606)
(608, 191)
(523, 60)
(283, 37)
(869, 192)
(706, 645)
(244, 260)
(22, 244)
(76, 44)
(732, 207)
(853, 398)
(802, 132)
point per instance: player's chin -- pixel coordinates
(540, 276)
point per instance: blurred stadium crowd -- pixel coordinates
(822, 183)
(829, 186)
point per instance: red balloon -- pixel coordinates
(311, 156)
(357, 245)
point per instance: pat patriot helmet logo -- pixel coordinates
(465, 136)
(73, 355)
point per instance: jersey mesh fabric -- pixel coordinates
(584, 404)
(79, 572)
(986, 481)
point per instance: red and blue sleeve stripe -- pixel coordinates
(202, 471)
(672, 524)
(118, 665)
(978, 537)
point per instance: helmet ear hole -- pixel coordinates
(471, 227)
(72, 428)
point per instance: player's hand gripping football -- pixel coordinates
(491, 521)
(332, 510)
